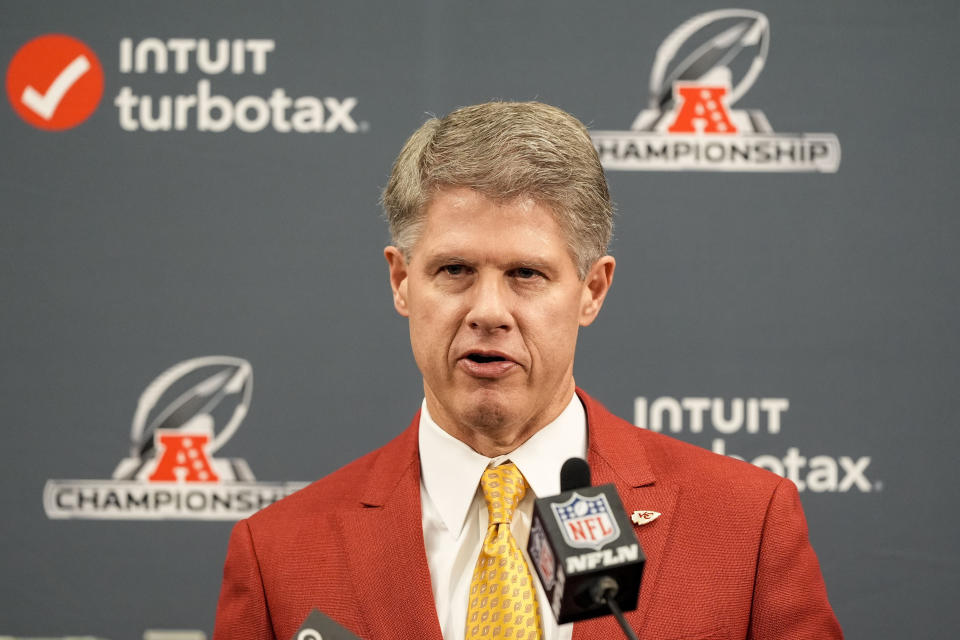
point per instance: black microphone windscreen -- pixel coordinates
(574, 474)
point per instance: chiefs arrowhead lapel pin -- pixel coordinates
(644, 517)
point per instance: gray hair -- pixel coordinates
(504, 151)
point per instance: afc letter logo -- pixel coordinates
(701, 110)
(183, 458)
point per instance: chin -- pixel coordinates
(486, 411)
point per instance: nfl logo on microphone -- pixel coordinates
(578, 537)
(586, 523)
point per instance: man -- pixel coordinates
(500, 220)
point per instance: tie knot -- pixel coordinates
(503, 488)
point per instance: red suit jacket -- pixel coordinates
(728, 558)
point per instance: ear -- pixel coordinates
(595, 288)
(397, 266)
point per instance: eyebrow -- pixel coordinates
(531, 264)
(452, 258)
(444, 258)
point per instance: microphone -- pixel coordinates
(320, 626)
(574, 473)
(584, 549)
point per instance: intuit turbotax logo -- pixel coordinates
(55, 82)
(739, 417)
(183, 417)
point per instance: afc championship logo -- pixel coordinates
(586, 523)
(700, 71)
(183, 417)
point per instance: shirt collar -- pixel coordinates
(451, 470)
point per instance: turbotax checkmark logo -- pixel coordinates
(54, 82)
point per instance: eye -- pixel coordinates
(526, 273)
(454, 270)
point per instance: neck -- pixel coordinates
(496, 433)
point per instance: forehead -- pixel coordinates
(464, 217)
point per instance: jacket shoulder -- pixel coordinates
(645, 455)
(677, 459)
(364, 480)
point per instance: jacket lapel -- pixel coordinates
(616, 455)
(384, 539)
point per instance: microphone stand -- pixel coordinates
(603, 592)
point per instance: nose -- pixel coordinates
(489, 305)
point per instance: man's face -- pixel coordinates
(494, 304)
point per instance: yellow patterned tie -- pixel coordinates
(503, 603)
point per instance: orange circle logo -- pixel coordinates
(55, 82)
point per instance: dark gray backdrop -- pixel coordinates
(127, 252)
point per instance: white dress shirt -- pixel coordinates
(455, 513)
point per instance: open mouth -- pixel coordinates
(487, 365)
(477, 357)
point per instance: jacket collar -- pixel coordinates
(398, 460)
(608, 443)
(615, 447)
